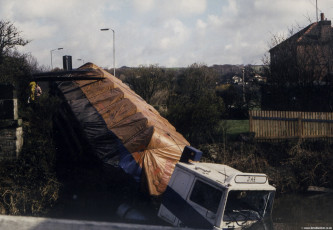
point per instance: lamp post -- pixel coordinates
(243, 71)
(317, 10)
(81, 60)
(114, 50)
(51, 55)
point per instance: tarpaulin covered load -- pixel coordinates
(123, 130)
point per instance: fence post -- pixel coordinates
(300, 125)
(250, 121)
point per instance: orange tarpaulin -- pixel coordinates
(152, 141)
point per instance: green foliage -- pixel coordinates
(236, 127)
(146, 81)
(193, 106)
(17, 70)
(195, 80)
(232, 96)
(291, 166)
(197, 121)
(185, 96)
(29, 185)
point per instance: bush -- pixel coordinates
(29, 185)
(291, 166)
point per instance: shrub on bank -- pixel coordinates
(28, 185)
(292, 166)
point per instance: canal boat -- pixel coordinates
(215, 196)
(102, 115)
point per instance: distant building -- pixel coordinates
(259, 78)
(236, 79)
(259, 69)
(306, 55)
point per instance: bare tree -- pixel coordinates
(9, 38)
(146, 81)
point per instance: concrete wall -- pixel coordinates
(38, 223)
(11, 132)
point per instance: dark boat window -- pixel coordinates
(206, 196)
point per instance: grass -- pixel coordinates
(232, 129)
(236, 127)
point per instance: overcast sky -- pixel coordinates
(170, 33)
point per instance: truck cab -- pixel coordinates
(215, 196)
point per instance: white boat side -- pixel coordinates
(228, 177)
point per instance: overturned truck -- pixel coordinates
(125, 132)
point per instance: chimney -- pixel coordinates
(67, 62)
(322, 17)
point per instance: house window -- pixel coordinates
(206, 196)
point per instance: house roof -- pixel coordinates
(308, 34)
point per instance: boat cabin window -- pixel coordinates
(246, 205)
(206, 196)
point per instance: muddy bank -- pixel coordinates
(29, 184)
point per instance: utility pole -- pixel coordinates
(243, 70)
(51, 55)
(317, 10)
(114, 49)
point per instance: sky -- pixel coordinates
(168, 33)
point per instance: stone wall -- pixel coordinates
(11, 132)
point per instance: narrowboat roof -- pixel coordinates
(227, 176)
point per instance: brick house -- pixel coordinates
(305, 57)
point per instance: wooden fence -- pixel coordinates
(289, 124)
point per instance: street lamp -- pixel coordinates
(81, 60)
(114, 50)
(243, 71)
(51, 55)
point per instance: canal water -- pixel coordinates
(303, 211)
(294, 211)
(87, 194)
